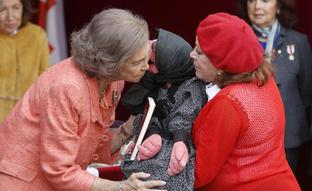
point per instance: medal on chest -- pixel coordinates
(291, 52)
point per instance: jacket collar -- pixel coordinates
(281, 37)
(93, 87)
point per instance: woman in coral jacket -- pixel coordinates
(62, 122)
(239, 133)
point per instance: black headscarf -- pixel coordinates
(172, 59)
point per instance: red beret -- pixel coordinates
(229, 43)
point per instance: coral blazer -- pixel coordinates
(54, 131)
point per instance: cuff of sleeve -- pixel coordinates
(180, 135)
(89, 180)
(82, 182)
(152, 130)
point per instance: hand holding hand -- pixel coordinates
(150, 147)
(179, 158)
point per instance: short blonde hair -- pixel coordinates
(102, 46)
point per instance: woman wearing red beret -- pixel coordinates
(239, 133)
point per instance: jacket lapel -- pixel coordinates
(96, 115)
(281, 38)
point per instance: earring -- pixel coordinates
(278, 11)
(219, 73)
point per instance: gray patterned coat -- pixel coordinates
(182, 110)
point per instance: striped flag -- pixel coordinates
(51, 18)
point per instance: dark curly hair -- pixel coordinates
(28, 11)
(286, 16)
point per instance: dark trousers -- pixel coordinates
(292, 156)
(300, 161)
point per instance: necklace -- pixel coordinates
(14, 32)
(102, 91)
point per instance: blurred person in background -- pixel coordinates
(24, 52)
(289, 51)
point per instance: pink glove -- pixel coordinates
(150, 147)
(179, 158)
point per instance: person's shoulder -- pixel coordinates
(193, 87)
(193, 82)
(34, 30)
(61, 76)
(65, 75)
(295, 35)
(65, 70)
(237, 90)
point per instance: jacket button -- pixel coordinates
(104, 138)
(95, 157)
(100, 145)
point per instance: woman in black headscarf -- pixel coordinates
(167, 150)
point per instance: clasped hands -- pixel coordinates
(179, 155)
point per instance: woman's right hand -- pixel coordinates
(134, 183)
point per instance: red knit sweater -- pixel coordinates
(239, 140)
